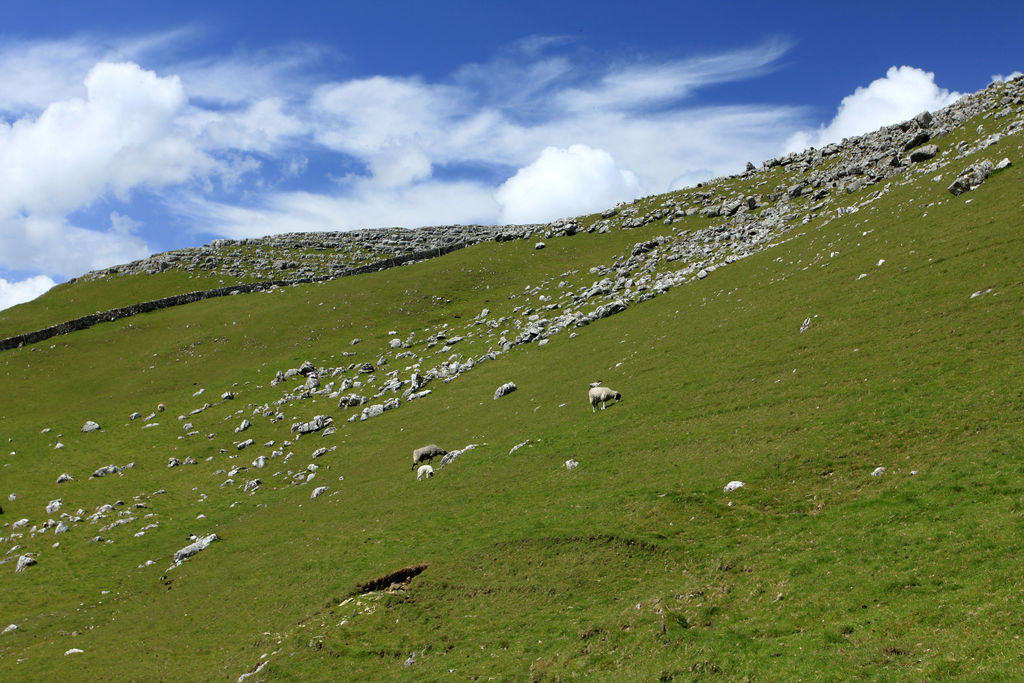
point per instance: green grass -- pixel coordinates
(636, 564)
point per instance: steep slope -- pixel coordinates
(881, 332)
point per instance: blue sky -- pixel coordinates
(130, 128)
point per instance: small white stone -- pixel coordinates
(878, 471)
(733, 485)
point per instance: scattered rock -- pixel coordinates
(24, 562)
(314, 425)
(317, 492)
(733, 485)
(571, 464)
(971, 178)
(201, 543)
(878, 471)
(90, 426)
(504, 390)
(64, 477)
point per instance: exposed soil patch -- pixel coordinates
(395, 581)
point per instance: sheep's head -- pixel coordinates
(618, 396)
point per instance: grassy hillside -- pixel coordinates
(634, 564)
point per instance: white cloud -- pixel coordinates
(633, 86)
(565, 182)
(903, 93)
(367, 206)
(121, 136)
(123, 225)
(263, 126)
(50, 244)
(999, 78)
(14, 293)
(37, 73)
(239, 79)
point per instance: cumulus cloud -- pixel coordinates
(999, 78)
(38, 73)
(14, 293)
(122, 135)
(565, 182)
(51, 244)
(903, 93)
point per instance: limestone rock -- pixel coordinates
(24, 562)
(924, 153)
(314, 425)
(504, 390)
(201, 543)
(971, 178)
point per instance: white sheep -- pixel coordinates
(422, 455)
(424, 472)
(602, 395)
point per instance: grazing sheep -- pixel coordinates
(421, 455)
(602, 395)
(424, 472)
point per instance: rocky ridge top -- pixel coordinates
(820, 174)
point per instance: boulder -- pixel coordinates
(924, 153)
(90, 426)
(24, 562)
(202, 543)
(372, 411)
(104, 471)
(918, 138)
(504, 390)
(971, 177)
(314, 425)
